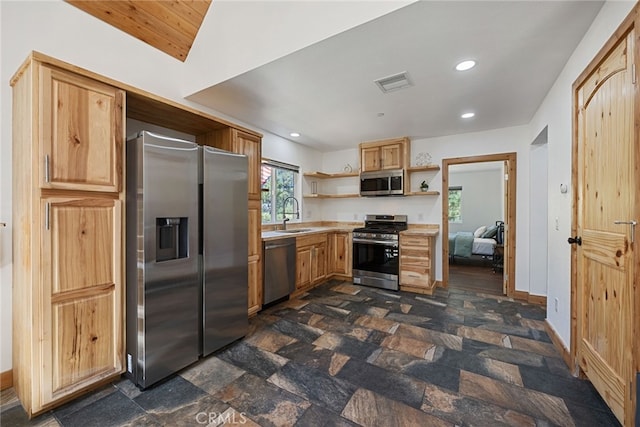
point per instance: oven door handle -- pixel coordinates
(376, 242)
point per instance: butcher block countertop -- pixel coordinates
(432, 232)
(302, 229)
(305, 229)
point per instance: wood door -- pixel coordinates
(391, 156)
(303, 267)
(82, 316)
(255, 257)
(370, 159)
(606, 185)
(319, 263)
(251, 146)
(339, 249)
(81, 124)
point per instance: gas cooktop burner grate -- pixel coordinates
(388, 224)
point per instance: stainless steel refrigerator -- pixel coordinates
(176, 262)
(223, 178)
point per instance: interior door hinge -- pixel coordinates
(633, 73)
(506, 177)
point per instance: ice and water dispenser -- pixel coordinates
(172, 238)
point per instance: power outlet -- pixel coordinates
(557, 224)
(555, 304)
(420, 217)
(355, 217)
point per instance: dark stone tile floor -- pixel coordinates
(345, 355)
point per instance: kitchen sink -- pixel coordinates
(293, 230)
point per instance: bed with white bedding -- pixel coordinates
(481, 242)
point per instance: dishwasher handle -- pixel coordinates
(275, 245)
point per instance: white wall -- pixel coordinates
(60, 30)
(482, 199)
(555, 112)
(428, 209)
(538, 225)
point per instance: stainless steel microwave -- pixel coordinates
(382, 183)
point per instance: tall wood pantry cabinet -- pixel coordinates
(68, 201)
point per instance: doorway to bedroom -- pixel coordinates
(478, 211)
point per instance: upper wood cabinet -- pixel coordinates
(81, 136)
(384, 154)
(238, 141)
(68, 317)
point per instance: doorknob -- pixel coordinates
(576, 239)
(633, 227)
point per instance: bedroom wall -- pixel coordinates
(482, 200)
(555, 112)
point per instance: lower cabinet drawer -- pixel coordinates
(412, 260)
(414, 276)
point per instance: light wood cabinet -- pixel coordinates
(384, 154)
(339, 253)
(82, 293)
(238, 141)
(417, 263)
(68, 323)
(81, 119)
(311, 260)
(255, 257)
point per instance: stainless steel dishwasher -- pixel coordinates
(279, 269)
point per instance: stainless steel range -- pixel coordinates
(376, 253)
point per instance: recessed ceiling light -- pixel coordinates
(467, 115)
(466, 65)
(294, 134)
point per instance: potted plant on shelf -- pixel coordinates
(424, 186)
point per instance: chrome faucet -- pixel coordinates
(285, 213)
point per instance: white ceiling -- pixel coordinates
(326, 91)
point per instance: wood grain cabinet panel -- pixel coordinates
(384, 154)
(339, 253)
(311, 260)
(68, 318)
(80, 124)
(84, 333)
(417, 263)
(303, 267)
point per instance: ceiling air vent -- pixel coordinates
(394, 82)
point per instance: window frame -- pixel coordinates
(276, 168)
(455, 188)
